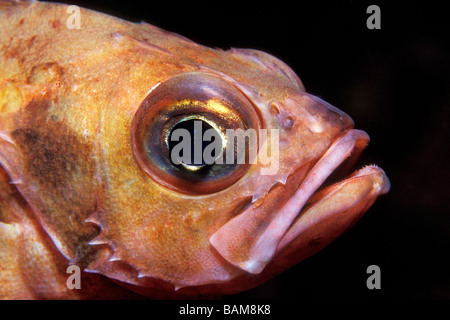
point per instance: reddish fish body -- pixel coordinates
(87, 116)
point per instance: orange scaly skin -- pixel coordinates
(72, 191)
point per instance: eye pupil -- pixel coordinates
(191, 154)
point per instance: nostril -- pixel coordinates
(288, 121)
(274, 109)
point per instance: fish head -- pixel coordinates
(225, 226)
(175, 169)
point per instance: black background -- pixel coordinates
(394, 83)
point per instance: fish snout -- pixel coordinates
(318, 115)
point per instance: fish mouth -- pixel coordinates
(247, 244)
(330, 183)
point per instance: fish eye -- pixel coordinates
(181, 133)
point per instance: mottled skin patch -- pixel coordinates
(53, 162)
(54, 159)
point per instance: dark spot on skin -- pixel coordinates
(20, 22)
(29, 41)
(56, 24)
